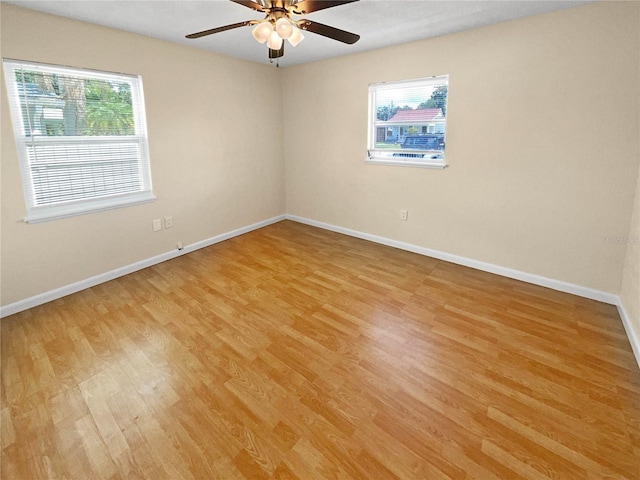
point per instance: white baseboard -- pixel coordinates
(632, 334)
(586, 292)
(51, 295)
(579, 290)
(598, 295)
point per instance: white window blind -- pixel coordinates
(407, 122)
(81, 137)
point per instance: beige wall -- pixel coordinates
(212, 169)
(630, 293)
(542, 143)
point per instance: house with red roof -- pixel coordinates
(419, 121)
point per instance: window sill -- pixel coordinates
(57, 212)
(406, 163)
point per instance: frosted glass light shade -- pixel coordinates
(296, 37)
(262, 31)
(284, 28)
(275, 41)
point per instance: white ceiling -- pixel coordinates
(379, 23)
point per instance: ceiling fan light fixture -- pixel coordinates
(275, 41)
(296, 37)
(279, 23)
(284, 27)
(262, 31)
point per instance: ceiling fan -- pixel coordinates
(279, 25)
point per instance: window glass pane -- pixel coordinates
(409, 120)
(63, 172)
(62, 105)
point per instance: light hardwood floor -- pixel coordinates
(292, 352)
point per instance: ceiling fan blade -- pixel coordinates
(327, 31)
(307, 6)
(250, 4)
(277, 53)
(221, 29)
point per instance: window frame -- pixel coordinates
(395, 156)
(63, 209)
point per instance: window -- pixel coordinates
(407, 122)
(81, 138)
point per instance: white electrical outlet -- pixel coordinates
(157, 225)
(168, 222)
(404, 215)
